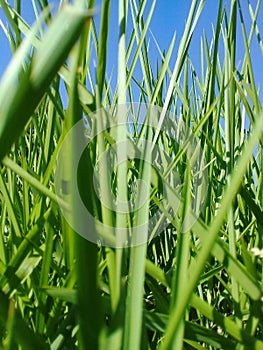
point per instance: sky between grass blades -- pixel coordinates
(169, 17)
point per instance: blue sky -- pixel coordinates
(169, 17)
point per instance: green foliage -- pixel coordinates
(189, 287)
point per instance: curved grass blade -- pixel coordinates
(28, 89)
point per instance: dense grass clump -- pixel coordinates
(159, 244)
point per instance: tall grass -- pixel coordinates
(184, 269)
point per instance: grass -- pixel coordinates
(142, 230)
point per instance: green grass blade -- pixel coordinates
(52, 53)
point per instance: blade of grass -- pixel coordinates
(23, 335)
(52, 53)
(197, 268)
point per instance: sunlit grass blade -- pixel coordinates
(198, 266)
(34, 82)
